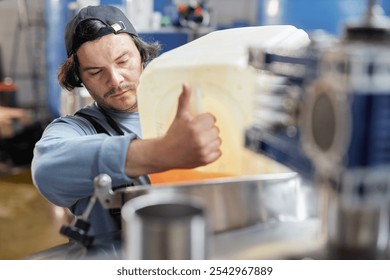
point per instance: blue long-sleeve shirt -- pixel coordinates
(71, 154)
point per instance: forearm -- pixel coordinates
(145, 157)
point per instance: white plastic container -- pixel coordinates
(216, 66)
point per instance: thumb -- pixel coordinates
(183, 107)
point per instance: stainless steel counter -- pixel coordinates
(258, 217)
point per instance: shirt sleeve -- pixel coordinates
(69, 156)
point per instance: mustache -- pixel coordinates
(120, 88)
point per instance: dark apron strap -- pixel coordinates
(115, 213)
(98, 127)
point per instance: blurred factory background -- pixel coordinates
(32, 48)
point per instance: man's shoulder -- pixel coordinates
(89, 110)
(73, 122)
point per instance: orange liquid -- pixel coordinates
(184, 175)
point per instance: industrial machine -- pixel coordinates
(323, 111)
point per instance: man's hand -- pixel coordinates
(191, 141)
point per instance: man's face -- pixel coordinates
(110, 68)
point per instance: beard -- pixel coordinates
(122, 87)
(104, 102)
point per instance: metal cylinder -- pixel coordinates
(356, 216)
(165, 226)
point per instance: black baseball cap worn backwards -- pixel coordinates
(114, 19)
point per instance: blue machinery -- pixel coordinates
(330, 122)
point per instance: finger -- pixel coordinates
(209, 140)
(214, 145)
(183, 107)
(213, 156)
(204, 121)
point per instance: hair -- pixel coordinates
(69, 73)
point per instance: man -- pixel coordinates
(106, 56)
